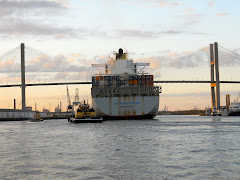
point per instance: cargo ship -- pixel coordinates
(122, 91)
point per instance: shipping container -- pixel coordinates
(143, 77)
(101, 83)
(139, 77)
(107, 78)
(131, 77)
(140, 82)
(147, 82)
(93, 79)
(130, 82)
(151, 77)
(147, 77)
(121, 78)
(97, 78)
(135, 77)
(135, 82)
(118, 83)
(109, 83)
(101, 78)
(114, 83)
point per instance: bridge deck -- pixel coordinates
(72, 83)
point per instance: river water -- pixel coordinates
(169, 147)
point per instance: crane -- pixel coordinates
(76, 101)
(68, 100)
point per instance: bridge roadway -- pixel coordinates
(73, 83)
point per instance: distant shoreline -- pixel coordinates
(184, 112)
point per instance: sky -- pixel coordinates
(88, 30)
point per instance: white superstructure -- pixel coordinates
(119, 64)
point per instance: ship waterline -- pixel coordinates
(128, 107)
(234, 108)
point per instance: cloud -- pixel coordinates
(222, 14)
(17, 27)
(150, 34)
(154, 3)
(22, 27)
(175, 4)
(164, 51)
(32, 17)
(158, 5)
(191, 9)
(9, 65)
(236, 51)
(171, 59)
(33, 4)
(211, 3)
(10, 78)
(191, 19)
(38, 8)
(191, 22)
(43, 68)
(28, 28)
(28, 19)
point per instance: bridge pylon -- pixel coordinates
(23, 76)
(215, 83)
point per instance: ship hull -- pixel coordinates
(234, 109)
(128, 107)
(234, 112)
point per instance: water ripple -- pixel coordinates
(169, 147)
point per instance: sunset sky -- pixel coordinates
(81, 32)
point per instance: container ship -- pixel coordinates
(121, 91)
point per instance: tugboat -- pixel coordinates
(37, 117)
(85, 114)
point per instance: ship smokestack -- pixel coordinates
(14, 101)
(120, 51)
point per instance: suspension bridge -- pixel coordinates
(42, 69)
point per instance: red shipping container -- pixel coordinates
(147, 82)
